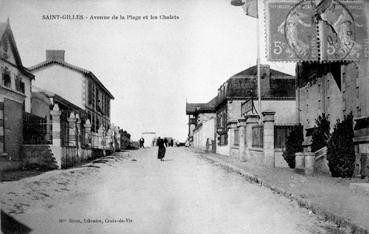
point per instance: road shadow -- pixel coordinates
(168, 160)
(10, 225)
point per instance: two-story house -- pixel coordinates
(77, 85)
(15, 97)
(277, 94)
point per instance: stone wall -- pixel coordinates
(234, 152)
(279, 160)
(256, 156)
(205, 131)
(223, 149)
(320, 96)
(38, 156)
(42, 156)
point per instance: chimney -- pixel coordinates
(55, 55)
(265, 80)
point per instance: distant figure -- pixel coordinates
(161, 150)
(207, 144)
(166, 142)
(142, 141)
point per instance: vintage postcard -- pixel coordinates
(184, 116)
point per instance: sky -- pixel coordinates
(150, 66)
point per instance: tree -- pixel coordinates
(341, 152)
(320, 134)
(293, 145)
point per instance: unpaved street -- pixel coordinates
(133, 192)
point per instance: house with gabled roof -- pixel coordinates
(201, 123)
(277, 95)
(77, 85)
(15, 98)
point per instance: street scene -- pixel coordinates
(186, 116)
(134, 192)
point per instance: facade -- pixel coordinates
(201, 118)
(15, 96)
(42, 105)
(336, 89)
(77, 85)
(277, 94)
(204, 133)
(220, 124)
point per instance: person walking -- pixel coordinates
(142, 142)
(161, 149)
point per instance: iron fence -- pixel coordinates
(36, 130)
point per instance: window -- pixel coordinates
(97, 123)
(108, 108)
(97, 100)
(90, 93)
(93, 123)
(7, 81)
(22, 87)
(89, 116)
(222, 118)
(19, 84)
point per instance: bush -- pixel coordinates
(320, 134)
(293, 145)
(341, 152)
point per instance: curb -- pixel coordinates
(304, 203)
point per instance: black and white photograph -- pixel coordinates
(184, 116)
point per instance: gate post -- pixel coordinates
(78, 131)
(231, 126)
(55, 113)
(251, 120)
(101, 137)
(56, 134)
(72, 129)
(87, 135)
(268, 119)
(78, 138)
(242, 131)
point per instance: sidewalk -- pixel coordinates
(323, 195)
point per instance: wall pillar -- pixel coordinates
(242, 133)
(78, 130)
(72, 130)
(231, 126)
(251, 120)
(56, 134)
(110, 138)
(101, 137)
(2, 132)
(87, 135)
(309, 162)
(300, 161)
(55, 113)
(268, 119)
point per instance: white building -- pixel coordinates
(77, 85)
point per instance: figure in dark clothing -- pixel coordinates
(166, 142)
(142, 141)
(161, 150)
